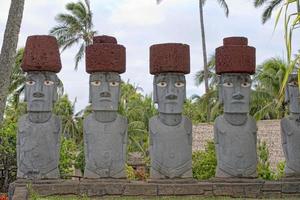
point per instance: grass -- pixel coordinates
(137, 198)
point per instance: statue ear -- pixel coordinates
(286, 95)
(25, 96)
(220, 90)
(55, 95)
(90, 90)
(155, 99)
(220, 93)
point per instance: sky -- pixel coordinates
(138, 24)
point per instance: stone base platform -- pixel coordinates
(243, 188)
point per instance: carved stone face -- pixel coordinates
(105, 91)
(292, 94)
(234, 92)
(169, 92)
(40, 91)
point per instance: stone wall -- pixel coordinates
(268, 131)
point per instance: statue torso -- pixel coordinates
(291, 133)
(171, 147)
(236, 147)
(39, 145)
(105, 145)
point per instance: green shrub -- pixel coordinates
(263, 166)
(130, 173)
(280, 170)
(80, 160)
(205, 162)
(67, 156)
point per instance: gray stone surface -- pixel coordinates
(253, 188)
(235, 131)
(105, 131)
(38, 139)
(290, 129)
(268, 131)
(170, 132)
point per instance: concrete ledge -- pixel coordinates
(243, 188)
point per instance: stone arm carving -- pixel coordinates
(18, 149)
(21, 126)
(58, 124)
(150, 133)
(216, 139)
(85, 139)
(189, 130)
(283, 124)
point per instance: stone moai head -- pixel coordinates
(41, 61)
(235, 62)
(292, 96)
(105, 60)
(169, 63)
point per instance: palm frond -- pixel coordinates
(258, 3)
(69, 43)
(79, 55)
(268, 11)
(224, 5)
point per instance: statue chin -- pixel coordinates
(170, 108)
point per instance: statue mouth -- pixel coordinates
(105, 99)
(38, 99)
(237, 102)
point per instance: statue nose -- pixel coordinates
(105, 94)
(38, 95)
(237, 96)
(171, 97)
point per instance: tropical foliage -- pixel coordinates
(75, 27)
(205, 162)
(291, 22)
(266, 103)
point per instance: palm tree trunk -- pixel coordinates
(204, 55)
(8, 51)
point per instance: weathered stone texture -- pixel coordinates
(104, 39)
(170, 57)
(246, 188)
(105, 56)
(235, 56)
(268, 131)
(41, 54)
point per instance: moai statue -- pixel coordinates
(38, 139)
(290, 128)
(235, 131)
(170, 132)
(105, 131)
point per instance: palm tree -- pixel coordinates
(271, 5)
(17, 80)
(74, 28)
(267, 84)
(212, 76)
(8, 51)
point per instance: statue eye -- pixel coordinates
(114, 83)
(30, 82)
(47, 82)
(162, 84)
(245, 84)
(179, 84)
(293, 83)
(96, 83)
(228, 84)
